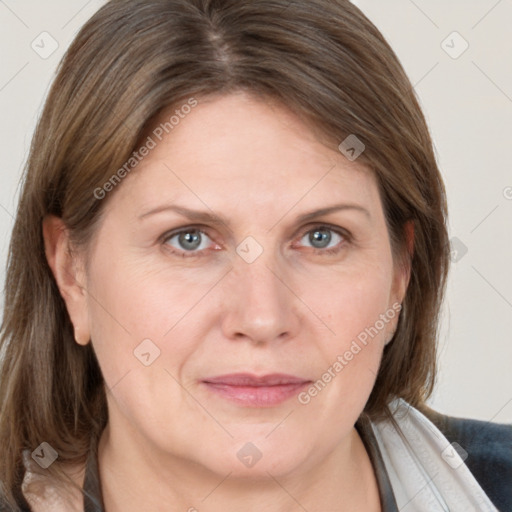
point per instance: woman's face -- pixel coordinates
(283, 266)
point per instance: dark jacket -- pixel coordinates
(489, 448)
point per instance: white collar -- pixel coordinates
(425, 469)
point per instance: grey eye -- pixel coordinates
(321, 238)
(189, 240)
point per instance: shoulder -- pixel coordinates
(39, 491)
(489, 452)
(22, 504)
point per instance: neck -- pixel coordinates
(134, 476)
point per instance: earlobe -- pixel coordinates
(403, 267)
(68, 274)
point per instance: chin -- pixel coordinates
(255, 457)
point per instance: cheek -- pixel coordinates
(140, 315)
(136, 299)
(355, 306)
(351, 301)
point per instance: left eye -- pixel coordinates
(322, 238)
(190, 240)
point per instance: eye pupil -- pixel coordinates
(320, 238)
(190, 240)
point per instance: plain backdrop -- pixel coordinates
(458, 56)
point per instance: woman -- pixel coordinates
(225, 275)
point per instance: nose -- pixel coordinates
(260, 304)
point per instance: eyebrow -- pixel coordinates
(195, 215)
(207, 217)
(331, 209)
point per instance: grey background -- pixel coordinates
(468, 104)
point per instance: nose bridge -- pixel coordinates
(256, 266)
(258, 280)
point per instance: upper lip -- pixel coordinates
(248, 379)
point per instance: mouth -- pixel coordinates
(256, 391)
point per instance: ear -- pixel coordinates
(69, 274)
(403, 267)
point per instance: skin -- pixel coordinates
(292, 310)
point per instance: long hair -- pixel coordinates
(324, 60)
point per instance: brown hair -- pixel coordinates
(324, 60)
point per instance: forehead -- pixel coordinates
(234, 151)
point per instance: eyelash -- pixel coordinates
(190, 254)
(346, 238)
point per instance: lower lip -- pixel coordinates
(257, 396)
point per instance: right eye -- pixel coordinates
(188, 242)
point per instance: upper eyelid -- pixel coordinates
(173, 232)
(318, 225)
(344, 233)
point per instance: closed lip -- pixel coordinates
(251, 380)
